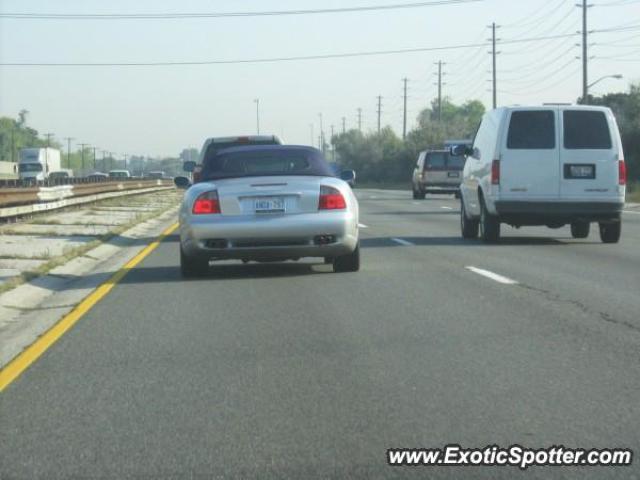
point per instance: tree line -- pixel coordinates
(386, 158)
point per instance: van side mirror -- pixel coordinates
(348, 176)
(182, 182)
(189, 166)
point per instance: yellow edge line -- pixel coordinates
(23, 360)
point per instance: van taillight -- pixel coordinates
(206, 204)
(622, 173)
(331, 199)
(495, 172)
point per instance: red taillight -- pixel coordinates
(622, 173)
(206, 204)
(495, 172)
(331, 199)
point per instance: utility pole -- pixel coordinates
(333, 148)
(322, 142)
(94, 157)
(48, 135)
(440, 64)
(104, 160)
(585, 59)
(344, 125)
(404, 114)
(82, 147)
(312, 135)
(379, 111)
(493, 55)
(68, 139)
(125, 161)
(257, 102)
(360, 120)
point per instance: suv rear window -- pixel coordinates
(532, 130)
(586, 130)
(435, 160)
(214, 148)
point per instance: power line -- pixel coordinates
(302, 57)
(268, 13)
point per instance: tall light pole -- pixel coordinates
(68, 139)
(94, 157)
(257, 102)
(616, 76)
(82, 147)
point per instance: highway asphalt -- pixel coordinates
(291, 371)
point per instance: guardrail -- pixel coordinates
(25, 183)
(26, 195)
(15, 202)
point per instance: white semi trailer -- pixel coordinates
(36, 164)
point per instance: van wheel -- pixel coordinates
(191, 267)
(347, 263)
(489, 225)
(610, 232)
(580, 229)
(415, 192)
(468, 226)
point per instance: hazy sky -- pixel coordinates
(160, 110)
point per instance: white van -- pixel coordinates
(551, 165)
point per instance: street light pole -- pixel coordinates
(257, 102)
(616, 76)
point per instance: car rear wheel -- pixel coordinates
(489, 225)
(580, 229)
(347, 263)
(191, 267)
(468, 226)
(415, 192)
(610, 232)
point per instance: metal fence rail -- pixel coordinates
(14, 196)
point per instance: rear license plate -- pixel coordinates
(454, 175)
(269, 205)
(580, 171)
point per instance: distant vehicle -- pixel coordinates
(157, 175)
(268, 203)
(97, 177)
(35, 164)
(215, 144)
(60, 175)
(116, 174)
(437, 171)
(550, 165)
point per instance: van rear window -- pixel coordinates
(532, 130)
(584, 129)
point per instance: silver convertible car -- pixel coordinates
(265, 204)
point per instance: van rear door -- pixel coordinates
(530, 160)
(588, 154)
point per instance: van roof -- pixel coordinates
(561, 106)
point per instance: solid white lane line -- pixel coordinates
(362, 225)
(493, 276)
(405, 243)
(447, 208)
(629, 211)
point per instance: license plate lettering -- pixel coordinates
(265, 205)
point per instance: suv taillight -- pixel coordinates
(331, 199)
(206, 204)
(197, 173)
(495, 172)
(622, 173)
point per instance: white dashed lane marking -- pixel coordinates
(403, 242)
(493, 276)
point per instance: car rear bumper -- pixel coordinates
(440, 187)
(543, 213)
(269, 236)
